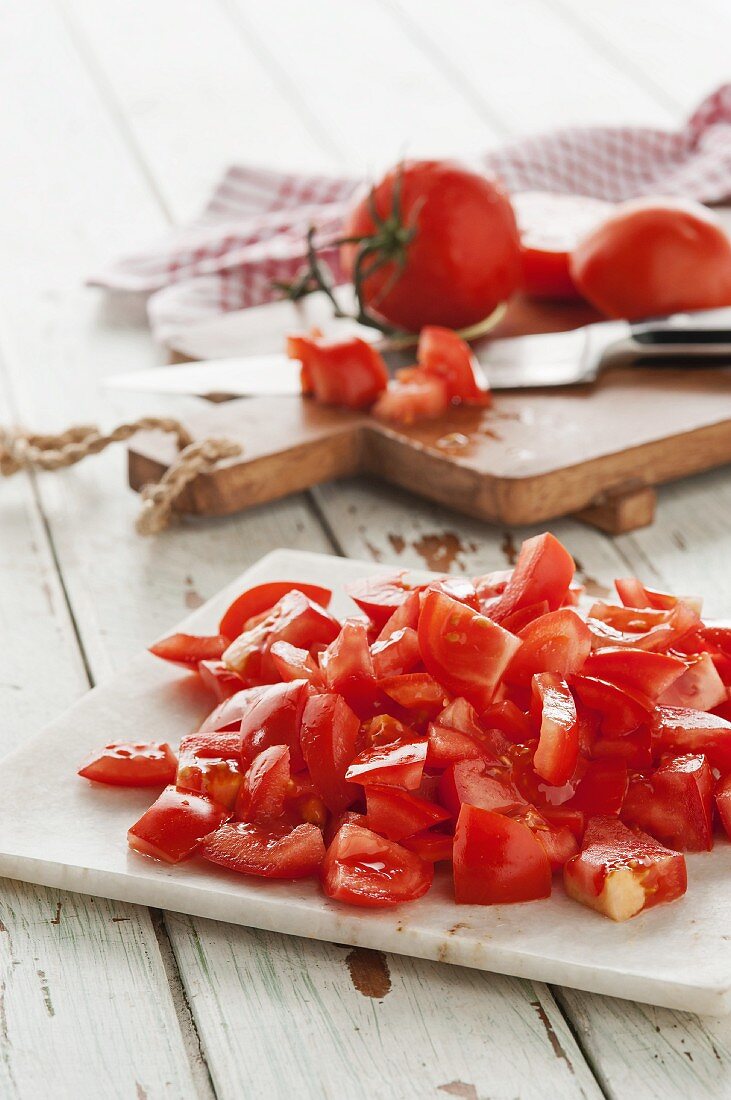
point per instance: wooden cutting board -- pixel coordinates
(592, 451)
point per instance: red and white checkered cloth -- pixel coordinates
(252, 231)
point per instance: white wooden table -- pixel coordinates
(116, 120)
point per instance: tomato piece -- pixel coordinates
(397, 654)
(651, 629)
(491, 585)
(601, 789)
(264, 789)
(347, 663)
(188, 650)
(558, 741)
(565, 818)
(209, 744)
(275, 719)
(723, 802)
(682, 730)
(550, 226)
(228, 714)
(633, 593)
(558, 641)
(415, 691)
(329, 732)
(362, 868)
(395, 813)
(462, 649)
(637, 669)
(266, 851)
(132, 764)
(218, 778)
(652, 257)
(293, 663)
(349, 372)
(295, 619)
(263, 597)
(414, 395)
(557, 841)
(622, 708)
(443, 353)
(174, 826)
(620, 872)
(400, 764)
(514, 723)
(674, 804)
(404, 616)
(497, 860)
(544, 570)
(478, 782)
(700, 687)
(443, 245)
(517, 620)
(220, 680)
(635, 748)
(381, 596)
(434, 847)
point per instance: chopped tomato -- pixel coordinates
(622, 708)
(228, 714)
(347, 372)
(674, 804)
(264, 789)
(514, 723)
(293, 663)
(478, 782)
(395, 813)
(557, 841)
(219, 679)
(433, 846)
(700, 687)
(347, 664)
(723, 802)
(601, 788)
(174, 826)
(558, 641)
(399, 764)
(329, 733)
(266, 851)
(132, 764)
(413, 395)
(462, 649)
(415, 691)
(497, 860)
(558, 741)
(381, 596)
(651, 629)
(441, 352)
(295, 619)
(518, 620)
(544, 570)
(188, 650)
(633, 593)
(221, 744)
(275, 719)
(683, 730)
(396, 655)
(636, 669)
(362, 868)
(403, 617)
(262, 598)
(619, 871)
(219, 778)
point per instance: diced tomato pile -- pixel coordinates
(488, 724)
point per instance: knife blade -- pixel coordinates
(540, 361)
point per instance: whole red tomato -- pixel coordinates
(652, 257)
(441, 245)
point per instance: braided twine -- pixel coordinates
(24, 451)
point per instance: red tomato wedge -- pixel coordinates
(132, 764)
(674, 804)
(462, 649)
(723, 802)
(188, 650)
(328, 736)
(397, 814)
(348, 372)
(544, 570)
(347, 661)
(682, 730)
(295, 619)
(622, 708)
(293, 663)
(380, 596)
(251, 849)
(558, 741)
(550, 226)
(174, 826)
(396, 655)
(478, 782)
(619, 871)
(497, 860)
(637, 669)
(415, 691)
(433, 846)
(263, 597)
(601, 788)
(558, 641)
(264, 789)
(441, 352)
(275, 719)
(362, 868)
(633, 593)
(400, 764)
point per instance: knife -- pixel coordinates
(521, 362)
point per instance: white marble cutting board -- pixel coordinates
(61, 831)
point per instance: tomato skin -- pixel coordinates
(263, 597)
(175, 825)
(267, 852)
(620, 872)
(364, 869)
(295, 619)
(544, 570)
(396, 814)
(496, 860)
(464, 258)
(558, 641)
(349, 372)
(187, 650)
(479, 782)
(551, 226)
(264, 789)
(652, 257)
(682, 730)
(329, 733)
(674, 804)
(462, 649)
(636, 669)
(132, 764)
(275, 719)
(399, 764)
(558, 742)
(442, 353)
(381, 596)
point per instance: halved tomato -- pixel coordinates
(620, 871)
(544, 570)
(462, 649)
(347, 372)
(362, 868)
(674, 804)
(558, 740)
(263, 597)
(444, 354)
(550, 226)
(329, 733)
(188, 650)
(395, 813)
(558, 641)
(174, 826)
(267, 851)
(399, 764)
(497, 860)
(132, 764)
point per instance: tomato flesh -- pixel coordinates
(674, 804)
(400, 764)
(558, 741)
(132, 764)
(442, 353)
(349, 372)
(559, 641)
(682, 730)
(362, 868)
(544, 570)
(262, 598)
(497, 860)
(251, 849)
(175, 825)
(188, 650)
(550, 226)
(329, 732)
